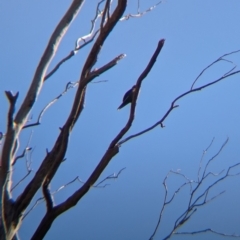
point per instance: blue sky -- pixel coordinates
(196, 33)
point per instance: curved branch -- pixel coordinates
(195, 200)
(90, 36)
(135, 95)
(49, 53)
(69, 86)
(139, 13)
(173, 104)
(109, 154)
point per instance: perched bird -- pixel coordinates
(127, 97)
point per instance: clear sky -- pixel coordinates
(197, 33)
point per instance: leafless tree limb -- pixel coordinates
(28, 167)
(112, 176)
(91, 33)
(50, 200)
(54, 158)
(113, 148)
(27, 148)
(22, 179)
(192, 90)
(98, 185)
(69, 86)
(9, 149)
(203, 154)
(213, 63)
(105, 11)
(101, 81)
(166, 202)
(200, 199)
(213, 158)
(140, 14)
(207, 230)
(97, 72)
(39, 200)
(88, 38)
(22, 155)
(12, 220)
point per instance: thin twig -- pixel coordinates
(112, 176)
(86, 39)
(200, 199)
(140, 14)
(69, 86)
(221, 58)
(207, 230)
(203, 154)
(39, 200)
(27, 148)
(48, 196)
(28, 168)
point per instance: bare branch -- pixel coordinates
(113, 148)
(88, 38)
(27, 148)
(49, 53)
(28, 167)
(91, 36)
(39, 200)
(54, 158)
(22, 155)
(213, 63)
(22, 179)
(213, 158)
(208, 230)
(98, 185)
(98, 14)
(22, 115)
(69, 86)
(10, 146)
(203, 154)
(112, 176)
(135, 95)
(97, 72)
(50, 195)
(173, 104)
(105, 11)
(200, 199)
(140, 14)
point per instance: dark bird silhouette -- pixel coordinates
(127, 97)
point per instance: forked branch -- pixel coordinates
(198, 197)
(174, 105)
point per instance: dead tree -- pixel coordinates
(14, 210)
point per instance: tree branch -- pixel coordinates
(69, 86)
(207, 230)
(139, 13)
(113, 148)
(54, 158)
(90, 37)
(200, 199)
(192, 90)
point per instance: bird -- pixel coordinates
(128, 97)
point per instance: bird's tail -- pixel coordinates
(121, 106)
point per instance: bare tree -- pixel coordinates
(198, 194)
(13, 211)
